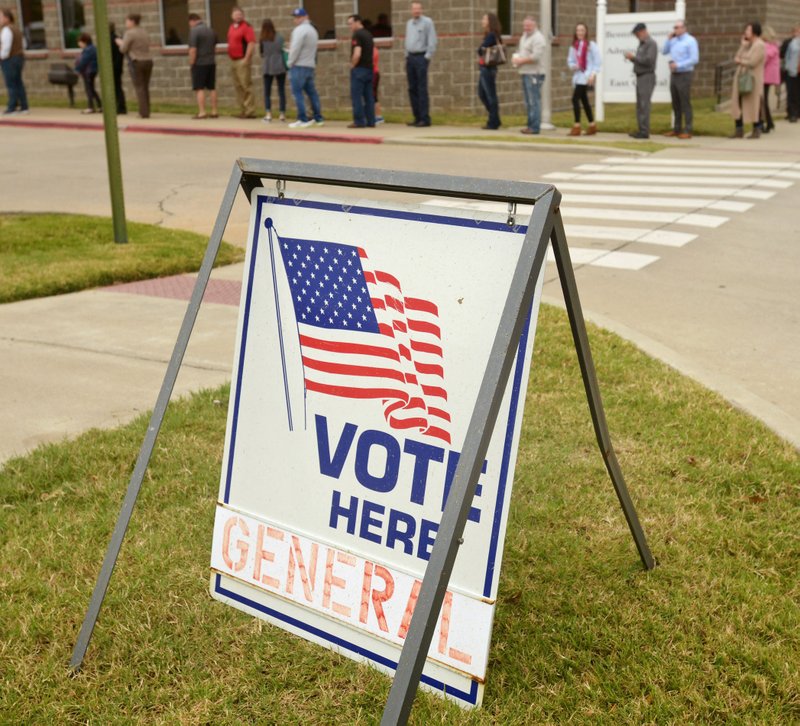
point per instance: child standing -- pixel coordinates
(86, 67)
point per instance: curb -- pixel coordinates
(517, 146)
(218, 133)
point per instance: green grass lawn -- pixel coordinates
(581, 634)
(50, 254)
(620, 117)
(644, 146)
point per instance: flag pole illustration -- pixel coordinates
(269, 225)
(360, 337)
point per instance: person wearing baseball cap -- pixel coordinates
(644, 67)
(302, 64)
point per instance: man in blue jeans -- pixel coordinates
(12, 60)
(420, 45)
(361, 94)
(528, 61)
(302, 63)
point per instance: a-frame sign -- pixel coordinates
(327, 584)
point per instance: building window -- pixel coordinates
(31, 20)
(73, 21)
(320, 13)
(175, 22)
(377, 16)
(634, 6)
(218, 16)
(504, 15)
(554, 18)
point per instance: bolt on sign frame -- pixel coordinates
(545, 226)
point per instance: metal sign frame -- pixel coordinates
(545, 227)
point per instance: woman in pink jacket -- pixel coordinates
(772, 76)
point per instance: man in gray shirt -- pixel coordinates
(419, 49)
(302, 64)
(644, 66)
(528, 61)
(203, 64)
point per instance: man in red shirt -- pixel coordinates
(241, 45)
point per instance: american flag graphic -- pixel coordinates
(362, 338)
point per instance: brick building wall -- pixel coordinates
(454, 76)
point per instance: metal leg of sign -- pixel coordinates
(153, 428)
(579, 335)
(476, 443)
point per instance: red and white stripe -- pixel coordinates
(401, 366)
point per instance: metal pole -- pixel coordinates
(599, 104)
(476, 443)
(107, 93)
(546, 26)
(573, 303)
(146, 451)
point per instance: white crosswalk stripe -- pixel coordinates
(644, 198)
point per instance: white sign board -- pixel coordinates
(364, 332)
(619, 81)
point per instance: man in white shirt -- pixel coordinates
(528, 61)
(12, 60)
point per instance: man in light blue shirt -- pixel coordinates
(420, 45)
(685, 55)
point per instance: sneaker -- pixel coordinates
(88, 110)
(267, 118)
(23, 111)
(379, 120)
(299, 124)
(321, 122)
(283, 116)
(9, 111)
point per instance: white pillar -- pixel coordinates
(599, 109)
(546, 26)
(680, 9)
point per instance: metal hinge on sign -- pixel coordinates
(512, 214)
(280, 186)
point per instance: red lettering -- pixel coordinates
(296, 561)
(263, 555)
(332, 581)
(243, 547)
(410, 605)
(444, 632)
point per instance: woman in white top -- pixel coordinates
(584, 62)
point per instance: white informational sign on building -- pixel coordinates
(364, 332)
(619, 81)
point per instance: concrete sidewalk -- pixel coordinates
(97, 358)
(331, 131)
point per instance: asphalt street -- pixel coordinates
(711, 289)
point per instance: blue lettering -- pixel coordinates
(394, 533)
(452, 463)
(387, 481)
(367, 521)
(423, 454)
(427, 536)
(332, 466)
(337, 510)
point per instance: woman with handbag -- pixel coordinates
(584, 62)
(273, 67)
(491, 54)
(748, 82)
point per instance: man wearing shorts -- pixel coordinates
(203, 63)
